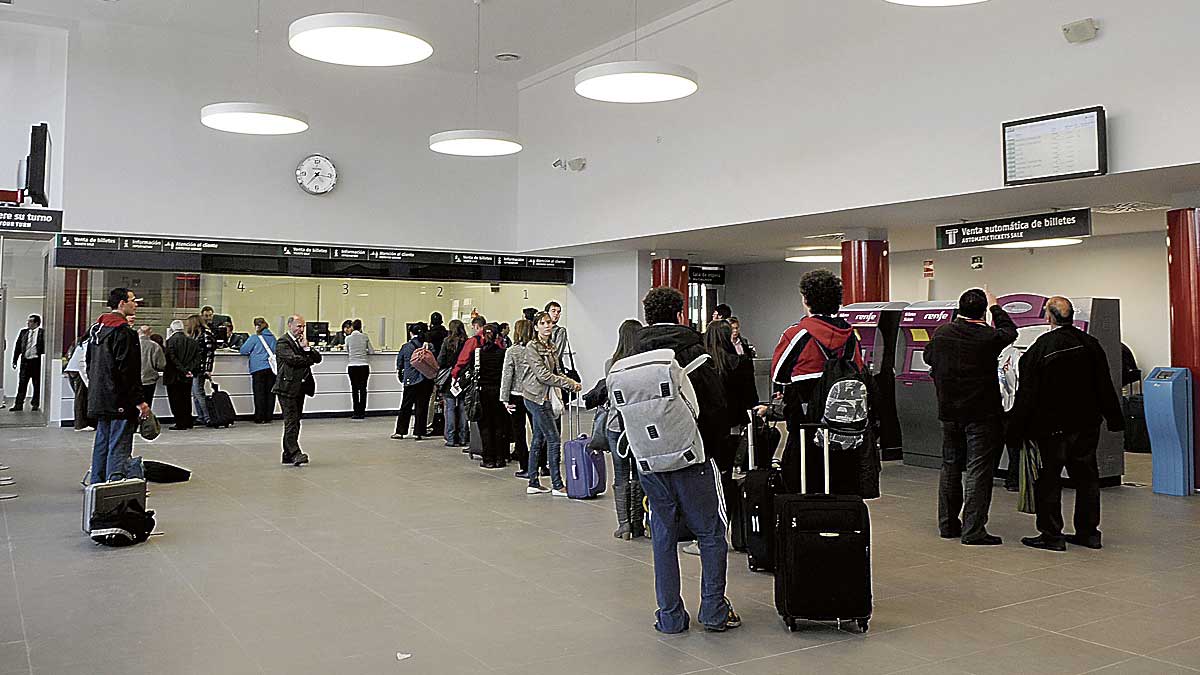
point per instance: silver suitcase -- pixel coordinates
(102, 496)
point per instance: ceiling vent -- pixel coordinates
(1130, 207)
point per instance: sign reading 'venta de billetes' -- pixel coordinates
(1077, 223)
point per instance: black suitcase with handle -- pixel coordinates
(822, 555)
(757, 512)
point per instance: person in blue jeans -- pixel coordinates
(115, 396)
(690, 497)
(541, 377)
(452, 406)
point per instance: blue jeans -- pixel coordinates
(112, 449)
(198, 398)
(456, 419)
(546, 441)
(691, 497)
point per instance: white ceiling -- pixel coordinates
(911, 225)
(543, 32)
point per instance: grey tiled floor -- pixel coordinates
(381, 547)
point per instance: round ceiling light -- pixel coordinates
(815, 259)
(356, 39)
(636, 82)
(1041, 243)
(935, 3)
(815, 248)
(474, 143)
(242, 117)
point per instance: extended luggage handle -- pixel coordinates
(803, 428)
(750, 439)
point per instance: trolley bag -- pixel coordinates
(220, 408)
(585, 468)
(822, 554)
(758, 491)
(114, 513)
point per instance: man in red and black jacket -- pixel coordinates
(797, 365)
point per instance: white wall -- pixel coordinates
(808, 106)
(33, 77)
(608, 289)
(138, 159)
(765, 298)
(1132, 267)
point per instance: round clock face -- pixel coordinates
(316, 175)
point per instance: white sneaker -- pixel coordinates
(560, 493)
(538, 490)
(692, 549)
(397, 437)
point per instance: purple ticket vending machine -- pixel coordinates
(916, 397)
(876, 325)
(1098, 317)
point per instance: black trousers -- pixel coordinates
(494, 426)
(82, 421)
(520, 450)
(31, 371)
(148, 393)
(358, 389)
(293, 410)
(415, 404)
(261, 382)
(970, 448)
(179, 395)
(1075, 450)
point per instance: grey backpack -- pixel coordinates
(658, 408)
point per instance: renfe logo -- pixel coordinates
(937, 316)
(952, 237)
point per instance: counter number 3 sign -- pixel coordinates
(316, 175)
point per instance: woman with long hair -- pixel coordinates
(627, 487)
(494, 422)
(741, 393)
(358, 367)
(510, 392)
(543, 380)
(456, 418)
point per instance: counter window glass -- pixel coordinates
(384, 306)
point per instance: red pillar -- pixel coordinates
(672, 273)
(1183, 279)
(865, 271)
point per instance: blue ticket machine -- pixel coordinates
(1168, 396)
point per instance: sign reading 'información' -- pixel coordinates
(1077, 223)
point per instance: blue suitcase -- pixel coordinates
(586, 473)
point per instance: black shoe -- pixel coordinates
(299, 459)
(15, 408)
(1045, 543)
(1012, 488)
(985, 540)
(176, 427)
(521, 474)
(731, 621)
(1092, 542)
(954, 534)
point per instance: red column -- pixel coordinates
(1183, 279)
(865, 271)
(672, 273)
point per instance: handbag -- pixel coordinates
(272, 361)
(556, 402)
(472, 403)
(442, 378)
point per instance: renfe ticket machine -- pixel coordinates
(876, 325)
(916, 397)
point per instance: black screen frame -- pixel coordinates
(1101, 146)
(37, 170)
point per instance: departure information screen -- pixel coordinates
(1056, 147)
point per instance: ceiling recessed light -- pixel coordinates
(814, 259)
(1041, 243)
(357, 39)
(243, 117)
(508, 57)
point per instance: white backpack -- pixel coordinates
(657, 404)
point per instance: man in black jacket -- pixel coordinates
(963, 356)
(690, 496)
(1065, 391)
(31, 344)
(115, 396)
(296, 359)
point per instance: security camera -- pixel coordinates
(577, 164)
(559, 164)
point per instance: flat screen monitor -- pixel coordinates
(37, 173)
(316, 331)
(917, 363)
(1056, 147)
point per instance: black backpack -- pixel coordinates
(841, 399)
(125, 524)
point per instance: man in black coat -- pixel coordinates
(116, 399)
(1065, 391)
(690, 496)
(31, 344)
(963, 356)
(295, 381)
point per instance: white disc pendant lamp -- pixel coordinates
(357, 39)
(475, 142)
(250, 117)
(244, 117)
(935, 3)
(636, 81)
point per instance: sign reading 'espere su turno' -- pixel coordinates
(1076, 223)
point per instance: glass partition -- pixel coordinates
(384, 306)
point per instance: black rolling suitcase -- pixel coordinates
(757, 510)
(822, 555)
(220, 408)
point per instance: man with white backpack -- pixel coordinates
(672, 407)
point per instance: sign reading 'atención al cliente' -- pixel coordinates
(1076, 223)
